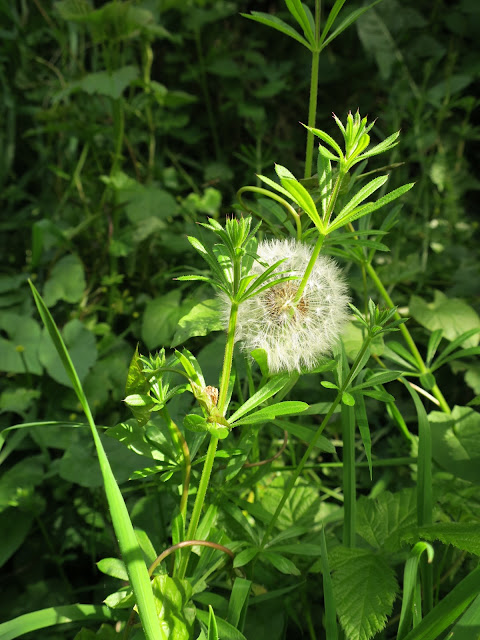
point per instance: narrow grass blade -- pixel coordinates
(448, 609)
(56, 615)
(411, 586)
(424, 489)
(331, 628)
(129, 547)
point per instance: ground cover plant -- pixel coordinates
(240, 364)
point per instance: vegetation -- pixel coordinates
(239, 381)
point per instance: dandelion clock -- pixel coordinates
(294, 333)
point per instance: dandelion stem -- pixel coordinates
(308, 270)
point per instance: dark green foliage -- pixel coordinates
(127, 130)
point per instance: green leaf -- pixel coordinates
(456, 442)
(66, 281)
(212, 633)
(273, 386)
(306, 434)
(347, 22)
(52, 616)
(362, 195)
(226, 630)
(238, 601)
(361, 418)
(201, 320)
(462, 535)
(411, 586)
(448, 609)
(175, 614)
(469, 623)
(299, 195)
(195, 423)
(19, 354)
(334, 11)
(276, 23)
(113, 567)
(328, 597)
(245, 556)
(282, 564)
(14, 528)
(364, 587)
(348, 399)
(129, 548)
(82, 347)
(381, 521)
(297, 9)
(452, 315)
(103, 83)
(161, 317)
(378, 378)
(369, 207)
(269, 413)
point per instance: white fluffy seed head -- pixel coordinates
(293, 335)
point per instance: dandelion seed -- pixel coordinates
(294, 335)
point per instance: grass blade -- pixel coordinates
(129, 547)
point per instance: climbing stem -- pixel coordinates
(407, 337)
(212, 447)
(295, 475)
(312, 105)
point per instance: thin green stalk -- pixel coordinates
(206, 94)
(349, 485)
(312, 106)
(313, 442)
(182, 447)
(407, 337)
(147, 59)
(212, 447)
(308, 270)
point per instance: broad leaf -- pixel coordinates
(364, 587)
(452, 315)
(381, 521)
(456, 442)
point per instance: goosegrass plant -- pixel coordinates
(236, 525)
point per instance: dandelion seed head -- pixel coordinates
(294, 335)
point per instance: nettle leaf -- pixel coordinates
(452, 315)
(456, 442)
(269, 413)
(364, 587)
(200, 320)
(381, 521)
(462, 535)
